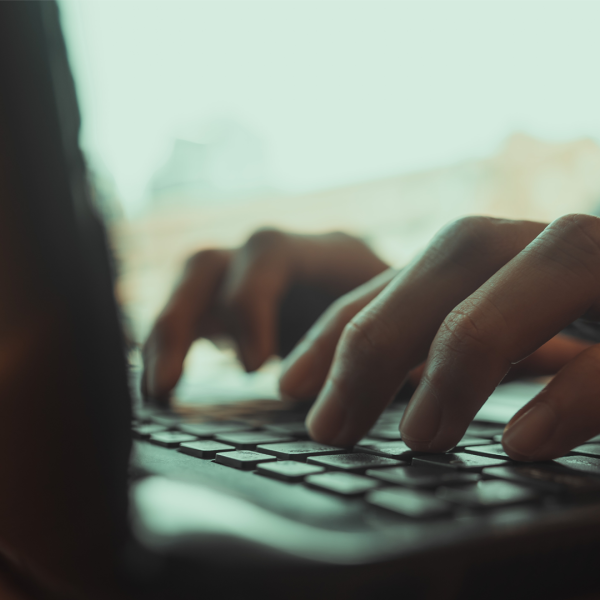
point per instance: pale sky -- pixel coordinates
(336, 91)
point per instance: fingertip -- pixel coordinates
(298, 377)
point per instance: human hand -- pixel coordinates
(486, 295)
(241, 293)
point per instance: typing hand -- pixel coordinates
(239, 292)
(487, 294)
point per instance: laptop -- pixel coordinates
(106, 497)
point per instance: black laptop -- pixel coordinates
(105, 496)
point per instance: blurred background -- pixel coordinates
(203, 120)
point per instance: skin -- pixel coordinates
(485, 302)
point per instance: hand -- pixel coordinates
(486, 295)
(242, 293)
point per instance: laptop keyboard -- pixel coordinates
(477, 476)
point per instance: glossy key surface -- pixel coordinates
(493, 450)
(248, 440)
(145, 431)
(353, 462)
(171, 439)
(297, 430)
(204, 448)
(396, 449)
(415, 504)
(487, 493)
(423, 477)
(288, 470)
(299, 450)
(583, 464)
(346, 484)
(472, 441)
(588, 449)
(243, 459)
(459, 461)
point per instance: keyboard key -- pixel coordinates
(460, 462)
(488, 493)
(346, 484)
(584, 464)
(300, 450)
(547, 477)
(588, 450)
(288, 470)
(248, 440)
(243, 459)
(209, 430)
(493, 450)
(471, 441)
(396, 449)
(415, 504)
(166, 419)
(297, 430)
(171, 439)
(422, 477)
(385, 432)
(497, 438)
(482, 430)
(145, 431)
(204, 448)
(353, 462)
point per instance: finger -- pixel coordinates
(258, 277)
(550, 284)
(392, 334)
(181, 322)
(564, 415)
(306, 367)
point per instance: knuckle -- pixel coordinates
(203, 259)
(460, 333)
(365, 336)
(265, 239)
(468, 238)
(573, 242)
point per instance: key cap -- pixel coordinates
(592, 450)
(248, 440)
(396, 449)
(415, 504)
(472, 441)
(547, 477)
(299, 450)
(422, 477)
(209, 430)
(204, 448)
(353, 462)
(243, 459)
(488, 493)
(145, 431)
(297, 430)
(493, 450)
(346, 484)
(288, 470)
(166, 419)
(385, 432)
(584, 464)
(497, 438)
(460, 462)
(171, 439)
(482, 430)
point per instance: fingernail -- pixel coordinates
(421, 420)
(528, 434)
(327, 416)
(297, 375)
